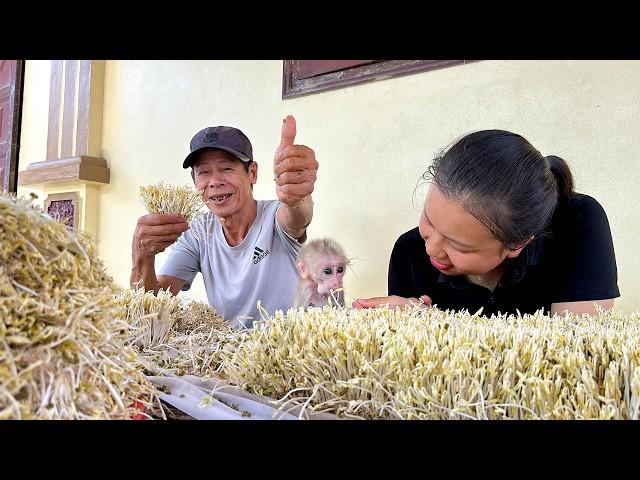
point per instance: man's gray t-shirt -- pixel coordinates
(261, 267)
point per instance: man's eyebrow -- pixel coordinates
(220, 160)
(462, 244)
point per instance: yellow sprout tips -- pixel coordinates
(163, 198)
(428, 364)
(410, 363)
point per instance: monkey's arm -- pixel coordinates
(306, 291)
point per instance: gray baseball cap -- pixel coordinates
(228, 139)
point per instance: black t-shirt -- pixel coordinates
(573, 261)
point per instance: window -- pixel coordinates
(303, 77)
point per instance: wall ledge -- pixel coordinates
(83, 169)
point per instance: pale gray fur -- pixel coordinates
(312, 254)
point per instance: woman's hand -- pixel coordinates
(392, 301)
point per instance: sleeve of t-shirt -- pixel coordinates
(587, 264)
(399, 279)
(290, 243)
(183, 261)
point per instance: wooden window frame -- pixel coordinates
(72, 198)
(294, 86)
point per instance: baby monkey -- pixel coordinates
(321, 264)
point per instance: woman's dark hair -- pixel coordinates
(504, 182)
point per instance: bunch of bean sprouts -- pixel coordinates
(62, 333)
(429, 364)
(164, 198)
(175, 336)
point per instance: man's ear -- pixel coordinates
(253, 171)
(519, 247)
(302, 269)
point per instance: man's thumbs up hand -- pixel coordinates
(294, 166)
(287, 136)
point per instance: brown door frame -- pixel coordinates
(10, 180)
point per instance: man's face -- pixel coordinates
(224, 182)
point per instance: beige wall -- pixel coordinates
(373, 141)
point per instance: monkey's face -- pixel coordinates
(224, 182)
(329, 276)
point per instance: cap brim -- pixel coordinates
(191, 158)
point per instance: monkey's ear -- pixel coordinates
(302, 268)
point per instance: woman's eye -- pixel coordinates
(328, 271)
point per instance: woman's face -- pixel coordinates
(456, 242)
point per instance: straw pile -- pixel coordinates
(62, 333)
(429, 364)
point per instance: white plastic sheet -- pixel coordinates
(214, 399)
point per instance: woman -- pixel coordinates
(503, 230)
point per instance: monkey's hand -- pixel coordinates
(392, 301)
(294, 166)
(337, 297)
(306, 293)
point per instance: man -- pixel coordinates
(245, 249)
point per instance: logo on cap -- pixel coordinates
(210, 137)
